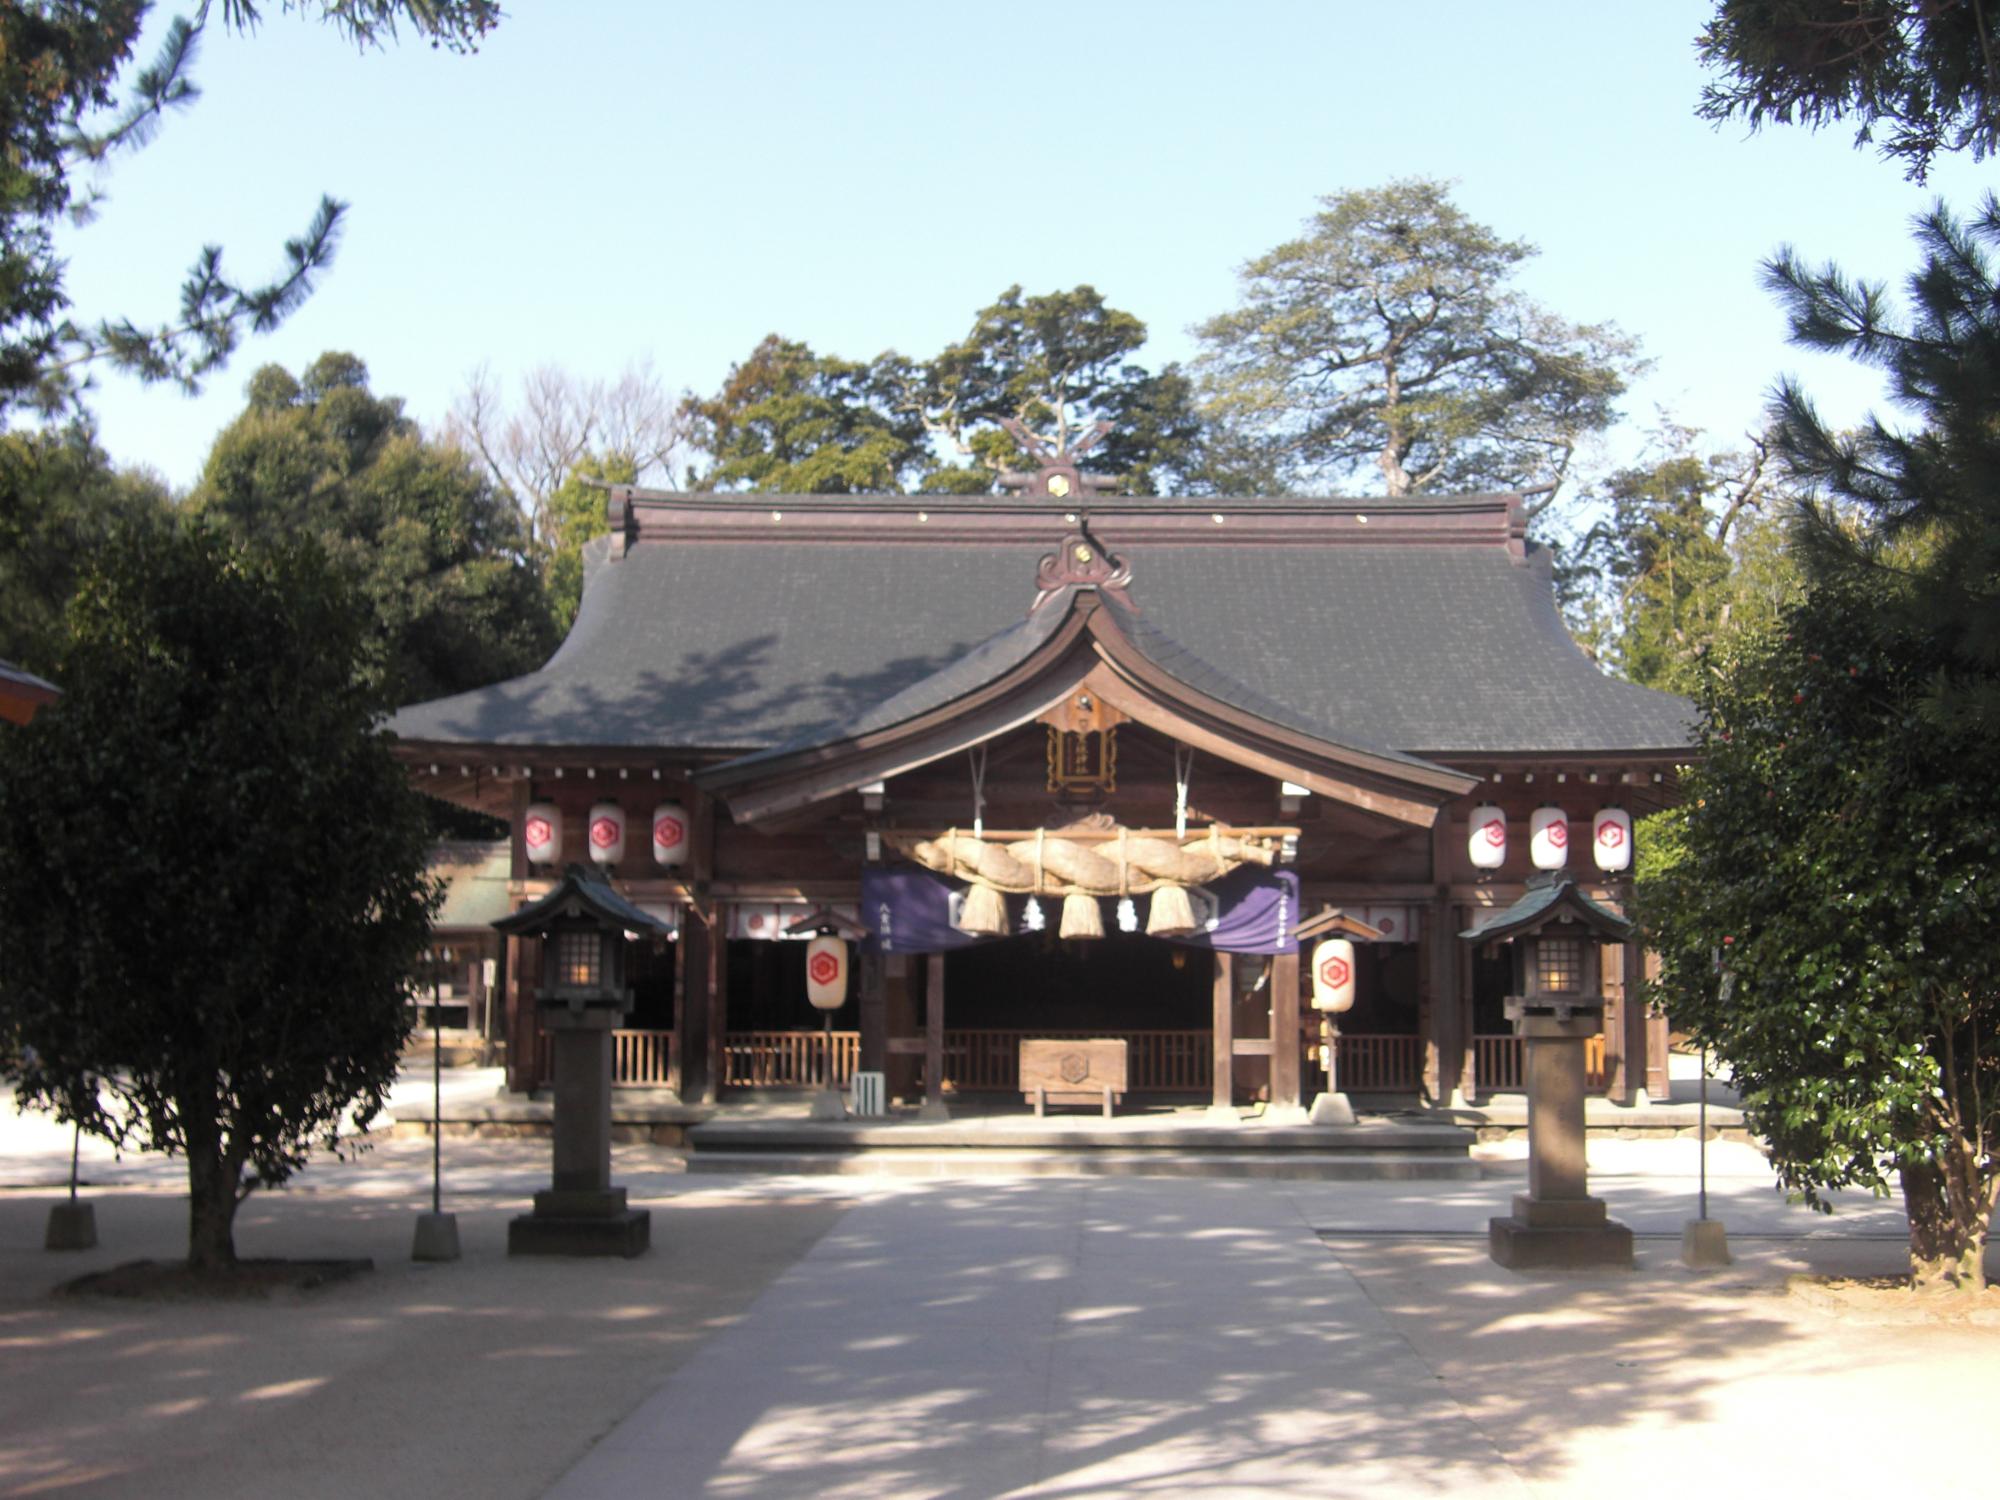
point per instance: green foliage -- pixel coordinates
(1841, 856)
(59, 498)
(574, 514)
(1387, 339)
(789, 421)
(1920, 71)
(212, 870)
(438, 552)
(61, 67)
(1056, 363)
(1682, 553)
(1916, 513)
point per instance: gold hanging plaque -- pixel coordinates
(1083, 761)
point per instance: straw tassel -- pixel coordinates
(1172, 914)
(1081, 917)
(985, 912)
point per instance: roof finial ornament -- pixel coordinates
(1082, 562)
(1058, 477)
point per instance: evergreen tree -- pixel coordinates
(62, 66)
(1914, 513)
(212, 870)
(59, 499)
(1057, 363)
(789, 421)
(439, 553)
(1386, 346)
(1920, 71)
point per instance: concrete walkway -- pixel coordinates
(994, 1337)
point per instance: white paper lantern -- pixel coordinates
(1333, 975)
(1486, 840)
(670, 834)
(607, 832)
(1611, 839)
(826, 973)
(1548, 838)
(541, 833)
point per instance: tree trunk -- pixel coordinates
(1947, 1231)
(212, 1202)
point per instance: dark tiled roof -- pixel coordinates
(584, 893)
(726, 645)
(1541, 897)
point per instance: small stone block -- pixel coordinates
(436, 1237)
(72, 1226)
(1332, 1109)
(1704, 1245)
(827, 1105)
(627, 1234)
(1527, 1247)
(933, 1111)
(1558, 1213)
(580, 1203)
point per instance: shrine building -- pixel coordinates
(1080, 765)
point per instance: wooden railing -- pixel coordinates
(1500, 1064)
(1379, 1064)
(787, 1059)
(639, 1059)
(1157, 1062)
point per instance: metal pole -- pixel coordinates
(437, 1093)
(1701, 1133)
(75, 1144)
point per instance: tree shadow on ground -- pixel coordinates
(1135, 1337)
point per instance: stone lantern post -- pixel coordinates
(584, 926)
(1556, 1002)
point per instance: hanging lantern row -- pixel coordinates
(541, 833)
(1548, 838)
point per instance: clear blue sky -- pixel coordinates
(612, 180)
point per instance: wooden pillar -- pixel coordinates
(1285, 1091)
(1447, 1000)
(1658, 1083)
(874, 1017)
(691, 1006)
(677, 1063)
(1223, 1093)
(934, 1105)
(517, 1020)
(718, 1002)
(1468, 1065)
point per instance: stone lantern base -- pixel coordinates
(587, 1222)
(1558, 1234)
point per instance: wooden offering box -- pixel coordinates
(1073, 1072)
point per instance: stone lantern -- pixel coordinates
(585, 927)
(1556, 1002)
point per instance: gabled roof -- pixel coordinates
(1549, 898)
(1080, 640)
(581, 893)
(725, 625)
